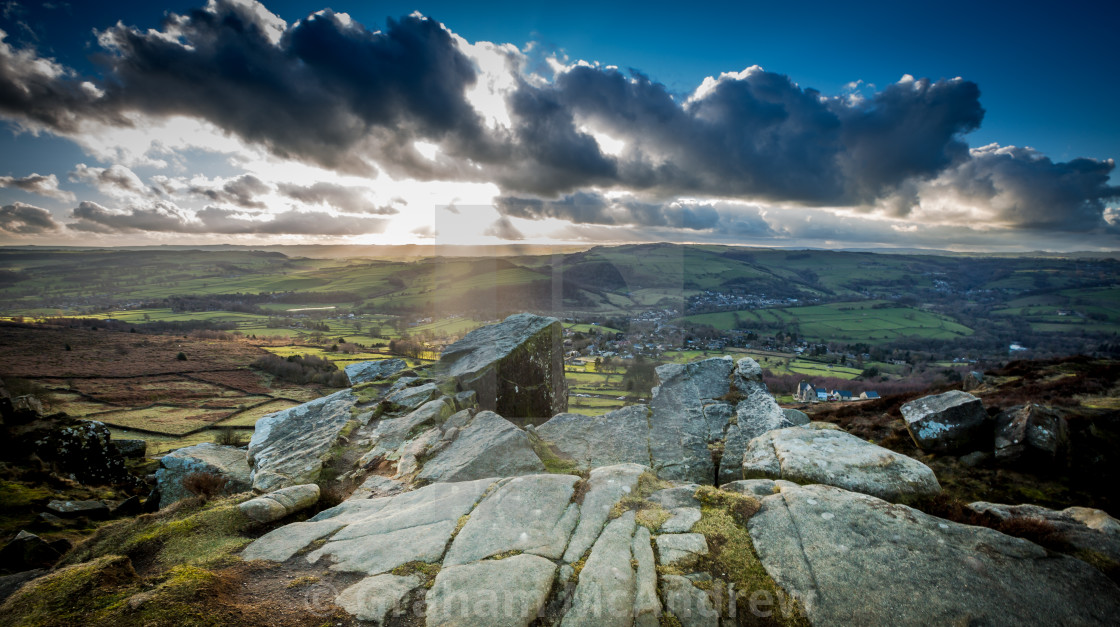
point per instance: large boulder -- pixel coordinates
(1029, 434)
(756, 413)
(488, 446)
(952, 422)
(27, 551)
(516, 367)
(840, 459)
(705, 407)
(366, 371)
(226, 462)
(82, 450)
(850, 558)
(287, 447)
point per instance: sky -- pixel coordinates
(959, 126)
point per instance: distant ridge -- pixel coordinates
(420, 251)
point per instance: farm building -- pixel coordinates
(869, 395)
(841, 395)
(805, 392)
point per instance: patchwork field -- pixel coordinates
(135, 384)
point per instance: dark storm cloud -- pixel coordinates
(43, 185)
(167, 218)
(241, 191)
(341, 197)
(596, 208)
(113, 180)
(758, 134)
(318, 90)
(503, 228)
(1027, 190)
(329, 91)
(22, 219)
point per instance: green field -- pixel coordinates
(867, 321)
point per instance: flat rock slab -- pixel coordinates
(73, 509)
(509, 592)
(647, 606)
(616, 437)
(675, 547)
(856, 559)
(952, 422)
(228, 462)
(373, 598)
(488, 446)
(532, 514)
(414, 526)
(287, 447)
(840, 459)
(279, 545)
(605, 487)
(606, 589)
(366, 371)
(516, 367)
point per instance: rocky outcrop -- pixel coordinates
(487, 446)
(850, 558)
(1081, 531)
(367, 371)
(700, 413)
(516, 367)
(1030, 434)
(287, 447)
(839, 459)
(227, 462)
(952, 422)
(280, 503)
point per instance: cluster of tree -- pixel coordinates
(407, 347)
(303, 369)
(156, 327)
(640, 376)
